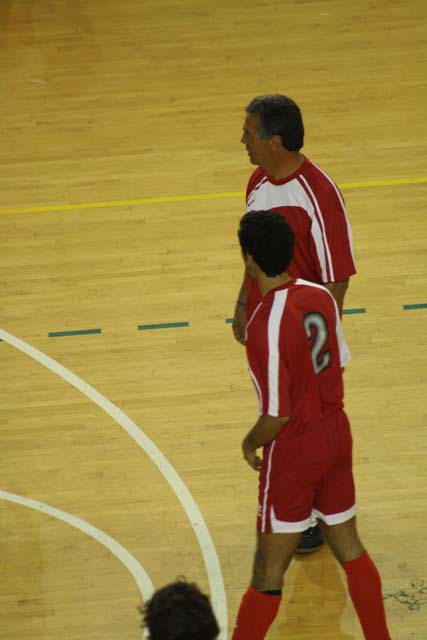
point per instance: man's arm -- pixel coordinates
(240, 320)
(338, 290)
(265, 430)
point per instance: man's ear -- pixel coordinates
(251, 265)
(277, 142)
(248, 260)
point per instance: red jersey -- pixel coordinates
(314, 208)
(296, 350)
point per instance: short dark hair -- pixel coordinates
(180, 611)
(279, 115)
(267, 237)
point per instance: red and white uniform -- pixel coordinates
(314, 208)
(296, 351)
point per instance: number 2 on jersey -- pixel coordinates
(316, 330)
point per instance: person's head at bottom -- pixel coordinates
(180, 611)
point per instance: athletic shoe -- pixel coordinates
(311, 540)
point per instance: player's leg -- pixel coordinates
(363, 579)
(335, 507)
(285, 502)
(272, 557)
(343, 540)
(261, 601)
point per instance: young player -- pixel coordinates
(296, 351)
(180, 610)
(287, 182)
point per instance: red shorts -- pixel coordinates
(307, 475)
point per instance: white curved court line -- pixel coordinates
(207, 547)
(141, 577)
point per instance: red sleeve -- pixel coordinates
(339, 237)
(332, 242)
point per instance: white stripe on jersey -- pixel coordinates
(339, 196)
(344, 351)
(323, 231)
(274, 322)
(267, 486)
(251, 195)
(257, 388)
(251, 318)
(345, 355)
(268, 196)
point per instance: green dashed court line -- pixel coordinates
(78, 332)
(177, 325)
(345, 312)
(410, 307)
(162, 325)
(352, 311)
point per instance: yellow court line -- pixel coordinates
(191, 198)
(382, 183)
(123, 203)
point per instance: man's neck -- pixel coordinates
(267, 284)
(284, 165)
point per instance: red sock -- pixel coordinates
(364, 585)
(257, 612)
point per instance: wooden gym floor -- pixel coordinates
(121, 187)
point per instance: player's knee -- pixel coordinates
(267, 572)
(344, 541)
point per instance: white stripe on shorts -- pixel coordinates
(336, 518)
(266, 488)
(282, 526)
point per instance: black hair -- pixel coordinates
(267, 237)
(279, 115)
(180, 611)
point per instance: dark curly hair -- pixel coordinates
(180, 611)
(278, 115)
(267, 237)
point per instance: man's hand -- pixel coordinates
(239, 323)
(264, 431)
(250, 456)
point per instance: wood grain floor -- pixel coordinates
(106, 102)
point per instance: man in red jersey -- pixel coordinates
(287, 182)
(296, 352)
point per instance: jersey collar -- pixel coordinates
(293, 175)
